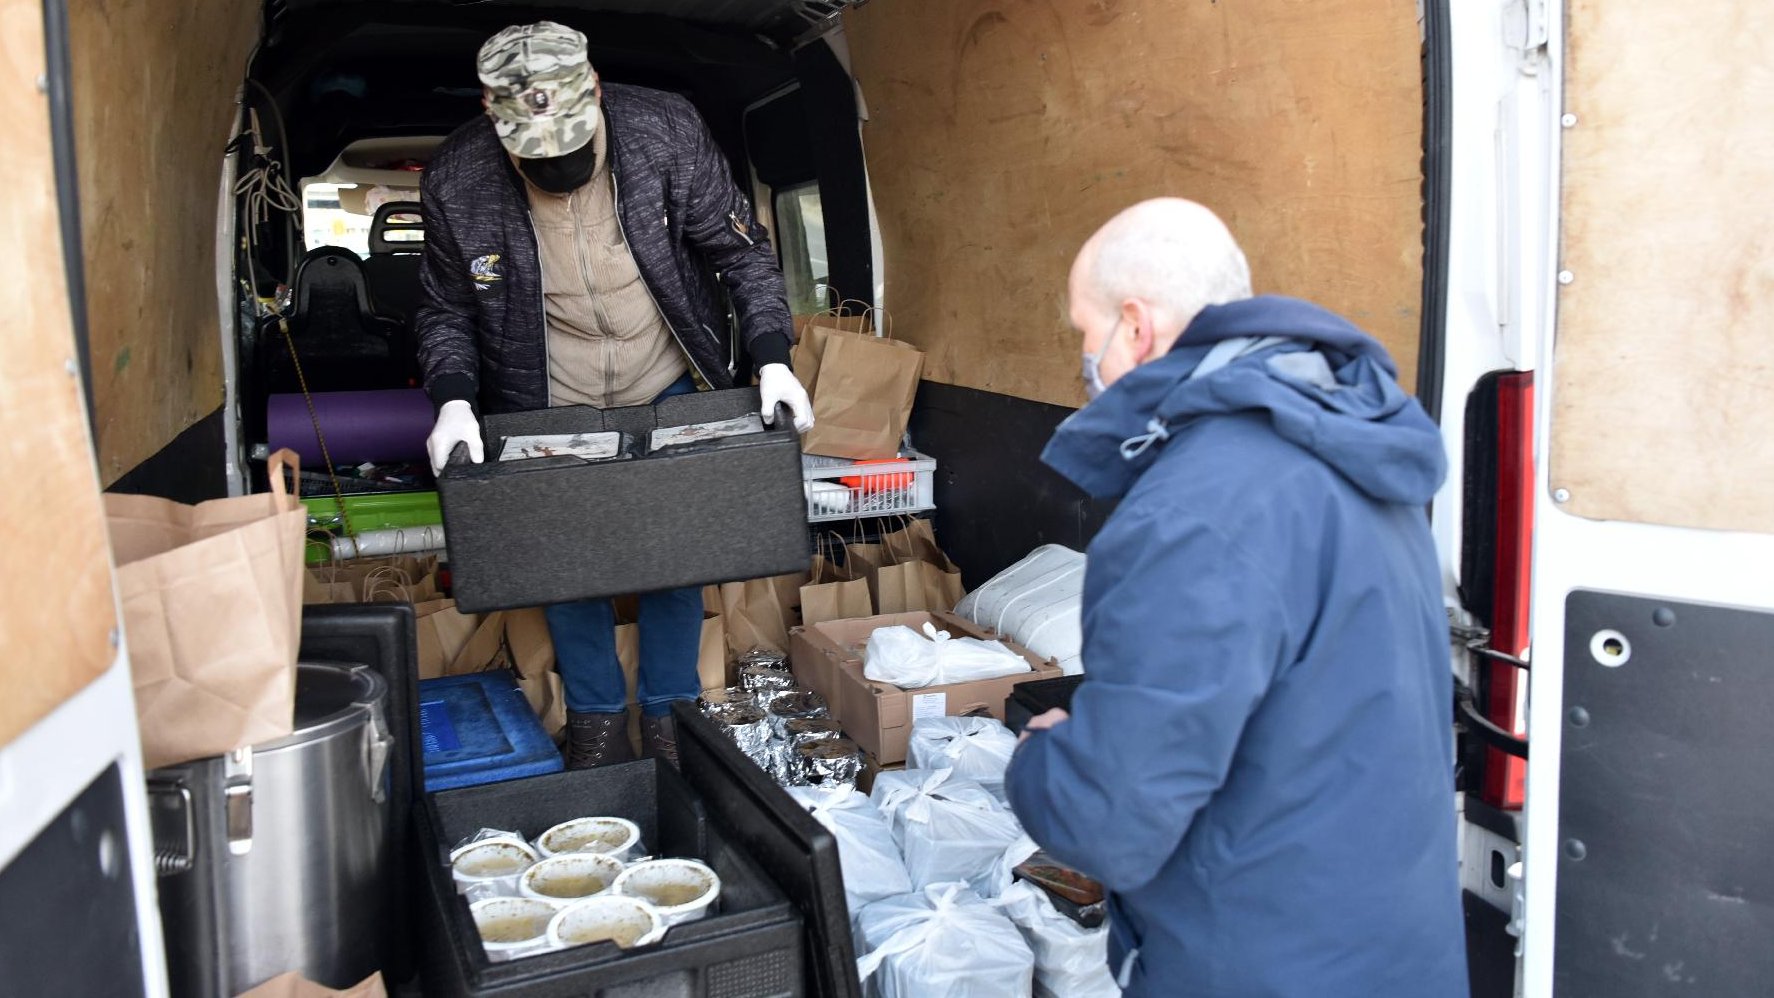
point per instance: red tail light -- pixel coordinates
(1505, 776)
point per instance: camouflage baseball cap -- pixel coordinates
(541, 91)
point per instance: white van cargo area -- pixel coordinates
(238, 188)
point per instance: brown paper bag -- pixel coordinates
(810, 339)
(548, 699)
(835, 591)
(757, 614)
(443, 631)
(862, 400)
(526, 635)
(488, 648)
(212, 606)
(918, 576)
(391, 578)
(916, 585)
(294, 985)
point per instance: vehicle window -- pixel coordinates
(800, 238)
(340, 214)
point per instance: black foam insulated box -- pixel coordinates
(563, 528)
(1032, 699)
(748, 946)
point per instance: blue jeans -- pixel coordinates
(584, 636)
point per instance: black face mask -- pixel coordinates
(562, 174)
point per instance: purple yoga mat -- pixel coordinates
(382, 426)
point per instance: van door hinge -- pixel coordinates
(820, 11)
(1526, 26)
(822, 16)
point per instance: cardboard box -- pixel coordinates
(827, 658)
(553, 530)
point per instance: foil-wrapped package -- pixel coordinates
(749, 729)
(811, 728)
(761, 678)
(827, 763)
(765, 658)
(794, 732)
(794, 705)
(733, 694)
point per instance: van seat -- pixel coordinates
(343, 343)
(397, 242)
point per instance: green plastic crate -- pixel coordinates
(373, 511)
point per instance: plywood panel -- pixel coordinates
(56, 607)
(1003, 132)
(1664, 383)
(154, 86)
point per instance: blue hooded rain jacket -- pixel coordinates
(1259, 768)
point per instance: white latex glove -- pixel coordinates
(455, 425)
(778, 384)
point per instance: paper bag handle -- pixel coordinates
(875, 314)
(275, 465)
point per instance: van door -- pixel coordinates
(75, 875)
(1650, 797)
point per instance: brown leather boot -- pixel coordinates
(597, 740)
(659, 739)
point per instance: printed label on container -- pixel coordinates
(929, 705)
(436, 732)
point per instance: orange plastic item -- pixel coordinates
(879, 483)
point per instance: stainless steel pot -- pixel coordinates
(274, 858)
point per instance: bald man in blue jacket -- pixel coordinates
(1259, 768)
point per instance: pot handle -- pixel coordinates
(377, 743)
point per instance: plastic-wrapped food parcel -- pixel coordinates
(942, 942)
(910, 660)
(974, 748)
(873, 868)
(947, 829)
(1071, 961)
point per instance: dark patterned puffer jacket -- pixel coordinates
(480, 319)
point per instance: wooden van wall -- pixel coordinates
(1001, 133)
(1665, 392)
(57, 610)
(154, 90)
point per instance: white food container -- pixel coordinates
(570, 877)
(681, 889)
(627, 922)
(617, 837)
(513, 927)
(491, 867)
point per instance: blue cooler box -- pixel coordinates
(479, 729)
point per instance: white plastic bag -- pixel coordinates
(873, 868)
(947, 829)
(943, 942)
(1071, 961)
(1037, 603)
(975, 748)
(909, 660)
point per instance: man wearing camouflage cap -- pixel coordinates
(570, 235)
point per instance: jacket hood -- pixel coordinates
(1327, 387)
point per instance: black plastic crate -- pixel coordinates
(381, 635)
(554, 530)
(749, 946)
(792, 846)
(1038, 697)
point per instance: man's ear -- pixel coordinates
(1143, 325)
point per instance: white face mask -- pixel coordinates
(1093, 366)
